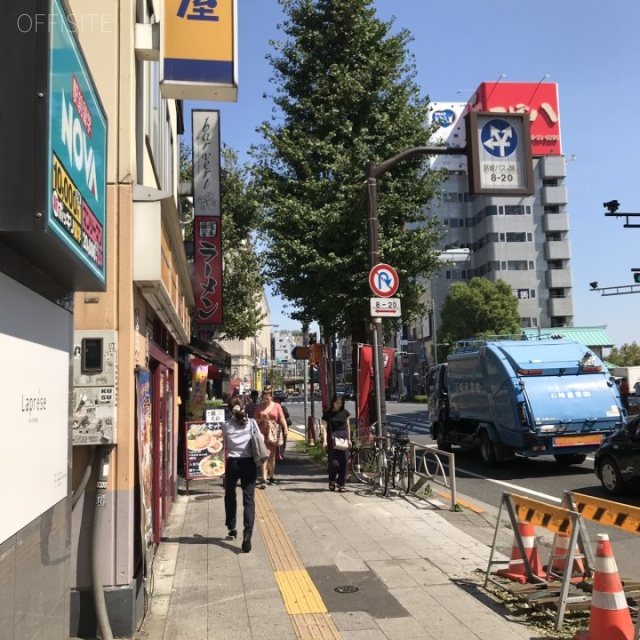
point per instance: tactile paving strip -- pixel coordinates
(308, 612)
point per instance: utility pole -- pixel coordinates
(373, 172)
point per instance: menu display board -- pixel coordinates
(205, 449)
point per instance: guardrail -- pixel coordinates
(427, 457)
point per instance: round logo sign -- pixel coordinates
(383, 280)
(444, 118)
(499, 138)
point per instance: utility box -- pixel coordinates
(95, 384)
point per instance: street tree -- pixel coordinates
(628, 355)
(479, 308)
(344, 94)
(242, 283)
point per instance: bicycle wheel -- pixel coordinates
(364, 464)
(383, 471)
(404, 474)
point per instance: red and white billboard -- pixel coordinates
(208, 270)
(539, 100)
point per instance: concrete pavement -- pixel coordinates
(324, 565)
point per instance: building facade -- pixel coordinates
(523, 240)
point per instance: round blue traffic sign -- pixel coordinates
(499, 138)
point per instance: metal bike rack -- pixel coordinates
(440, 476)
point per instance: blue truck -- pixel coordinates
(529, 398)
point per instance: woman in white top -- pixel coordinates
(239, 466)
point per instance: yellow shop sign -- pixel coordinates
(199, 50)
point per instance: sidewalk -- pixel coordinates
(323, 565)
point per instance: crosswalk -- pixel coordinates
(416, 425)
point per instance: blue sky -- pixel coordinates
(590, 48)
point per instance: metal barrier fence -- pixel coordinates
(427, 462)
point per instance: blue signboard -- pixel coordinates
(77, 150)
(499, 138)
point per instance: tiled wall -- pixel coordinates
(34, 578)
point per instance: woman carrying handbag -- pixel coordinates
(273, 427)
(336, 439)
(240, 465)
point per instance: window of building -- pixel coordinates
(531, 265)
(534, 322)
(503, 264)
(517, 265)
(525, 322)
(513, 210)
(529, 237)
(557, 293)
(516, 237)
(554, 236)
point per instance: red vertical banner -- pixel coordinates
(365, 374)
(388, 355)
(207, 234)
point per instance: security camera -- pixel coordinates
(612, 206)
(594, 285)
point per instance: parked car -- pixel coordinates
(617, 461)
(280, 395)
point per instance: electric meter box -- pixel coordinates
(95, 384)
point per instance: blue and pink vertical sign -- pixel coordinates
(77, 150)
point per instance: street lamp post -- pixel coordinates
(256, 356)
(373, 172)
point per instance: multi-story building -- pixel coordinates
(95, 324)
(523, 240)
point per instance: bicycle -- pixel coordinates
(401, 465)
(369, 460)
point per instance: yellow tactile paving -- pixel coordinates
(299, 593)
(314, 626)
(304, 604)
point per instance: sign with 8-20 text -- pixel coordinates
(499, 147)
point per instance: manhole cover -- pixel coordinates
(346, 589)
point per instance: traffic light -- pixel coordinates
(636, 277)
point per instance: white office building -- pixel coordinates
(523, 240)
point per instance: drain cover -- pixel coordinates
(346, 589)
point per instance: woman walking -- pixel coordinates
(273, 427)
(239, 465)
(335, 424)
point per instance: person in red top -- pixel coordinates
(624, 392)
(271, 421)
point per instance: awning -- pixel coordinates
(589, 336)
(211, 352)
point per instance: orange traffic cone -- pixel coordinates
(559, 560)
(610, 617)
(517, 570)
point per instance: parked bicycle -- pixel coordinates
(400, 463)
(369, 460)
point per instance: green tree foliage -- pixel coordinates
(478, 309)
(344, 95)
(628, 355)
(242, 282)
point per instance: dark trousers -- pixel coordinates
(245, 470)
(337, 465)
